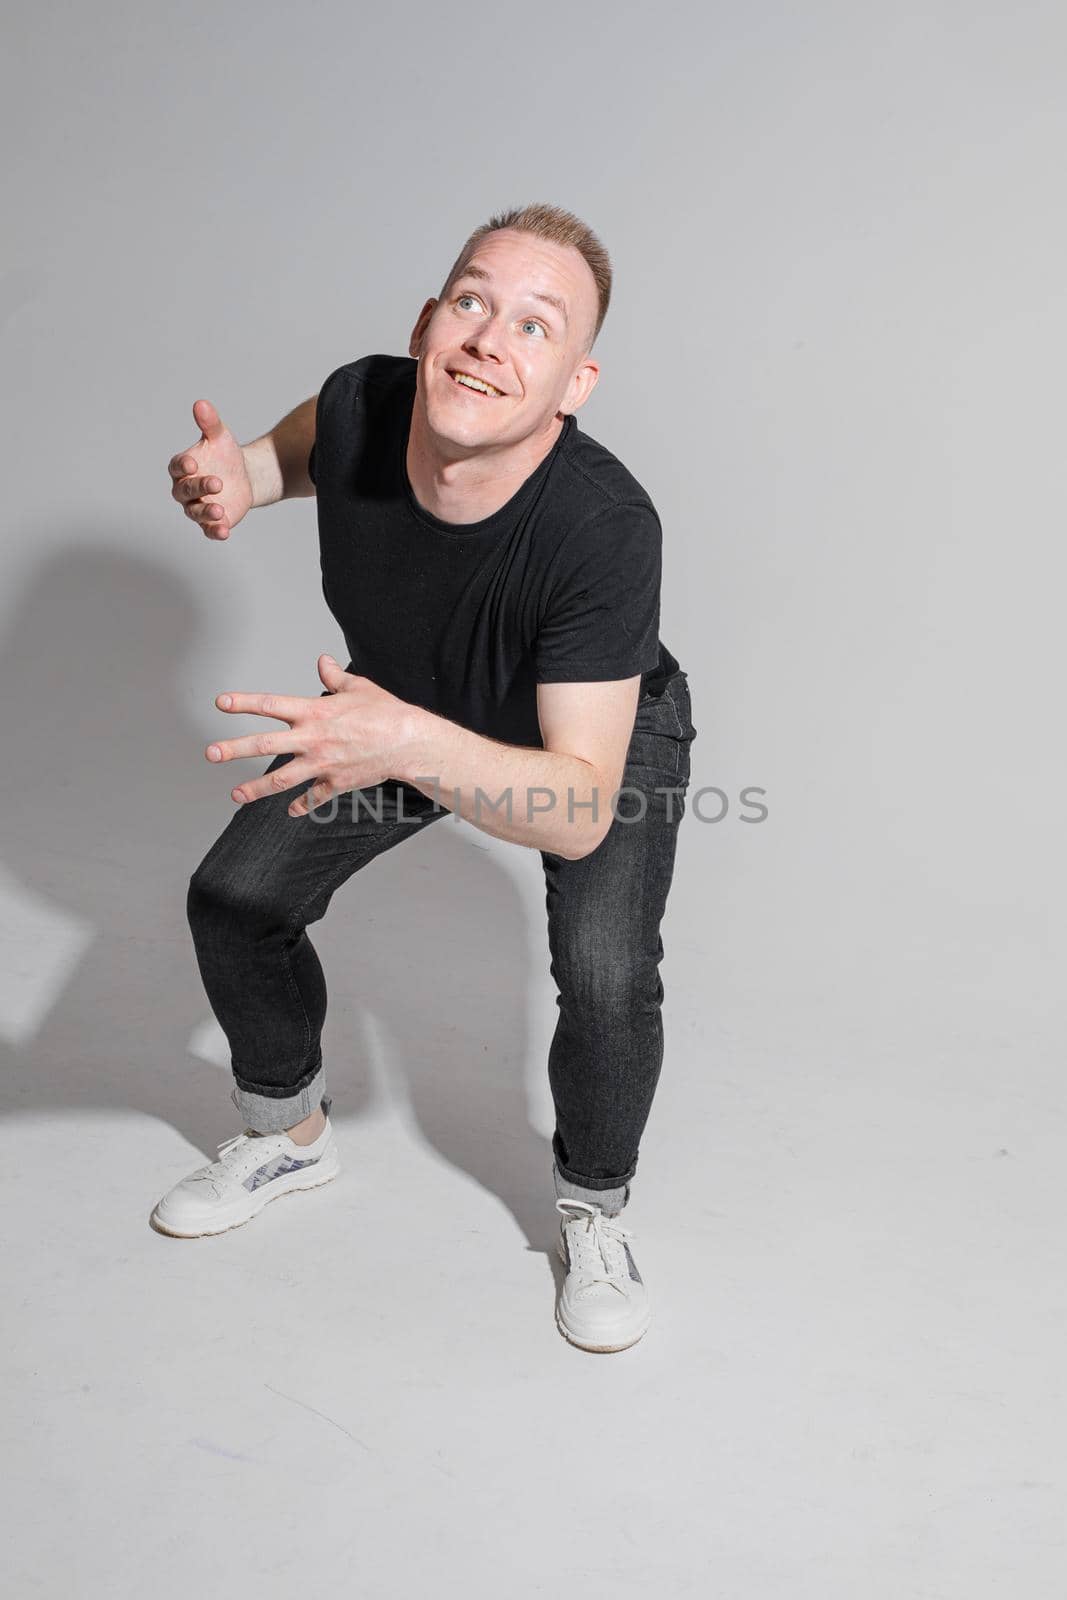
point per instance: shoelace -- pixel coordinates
(239, 1139)
(231, 1144)
(237, 1143)
(597, 1245)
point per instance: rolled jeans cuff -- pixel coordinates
(610, 1201)
(270, 1114)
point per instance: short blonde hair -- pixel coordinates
(557, 226)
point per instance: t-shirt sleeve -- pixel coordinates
(324, 416)
(601, 620)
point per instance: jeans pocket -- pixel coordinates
(653, 753)
(658, 715)
(663, 733)
(678, 689)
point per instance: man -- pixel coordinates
(496, 576)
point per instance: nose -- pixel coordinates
(487, 341)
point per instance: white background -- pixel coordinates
(834, 357)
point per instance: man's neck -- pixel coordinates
(472, 488)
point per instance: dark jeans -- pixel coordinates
(269, 875)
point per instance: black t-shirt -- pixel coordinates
(561, 584)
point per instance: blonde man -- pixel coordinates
(495, 573)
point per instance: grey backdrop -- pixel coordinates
(834, 358)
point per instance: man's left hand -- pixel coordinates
(353, 738)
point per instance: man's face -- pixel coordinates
(520, 316)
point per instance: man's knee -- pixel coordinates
(219, 891)
(603, 974)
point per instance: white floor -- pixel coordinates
(853, 1381)
(852, 1385)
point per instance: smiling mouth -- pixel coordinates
(473, 385)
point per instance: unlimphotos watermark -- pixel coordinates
(701, 807)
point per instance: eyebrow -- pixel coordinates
(549, 299)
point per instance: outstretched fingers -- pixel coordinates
(290, 776)
(255, 744)
(286, 707)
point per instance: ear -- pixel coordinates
(582, 384)
(420, 328)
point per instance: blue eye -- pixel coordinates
(527, 321)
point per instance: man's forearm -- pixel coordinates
(276, 462)
(539, 798)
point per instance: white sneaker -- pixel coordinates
(252, 1169)
(604, 1304)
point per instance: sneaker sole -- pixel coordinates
(277, 1191)
(583, 1344)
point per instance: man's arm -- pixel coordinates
(277, 462)
(558, 799)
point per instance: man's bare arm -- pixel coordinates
(277, 462)
(360, 735)
(557, 799)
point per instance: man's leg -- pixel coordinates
(249, 901)
(604, 916)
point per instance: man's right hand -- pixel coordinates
(210, 479)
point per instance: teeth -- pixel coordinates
(474, 383)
